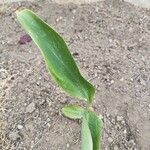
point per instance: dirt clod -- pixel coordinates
(30, 108)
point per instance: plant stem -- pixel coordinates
(89, 107)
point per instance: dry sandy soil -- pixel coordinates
(110, 41)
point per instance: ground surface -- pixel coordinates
(110, 41)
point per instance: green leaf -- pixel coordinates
(73, 111)
(86, 137)
(58, 59)
(95, 125)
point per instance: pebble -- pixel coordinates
(2, 93)
(42, 102)
(110, 140)
(113, 121)
(131, 143)
(74, 11)
(24, 39)
(123, 122)
(58, 19)
(29, 126)
(119, 118)
(68, 145)
(142, 82)
(14, 136)
(125, 131)
(118, 127)
(112, 81)
(75, 54)
(131, 79)
(108, 115)
(63, 100)
(110, 40)
(122, 79)
(19, 126)
(48, 124)
(30, 108)
(49, 104)
(116, 147)
(97, 9)
(3, 74)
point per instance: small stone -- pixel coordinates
(32, 144)
(131, 79)
(14, 136)
(49, 104)
(3, 74)
(74, 11)
(63, 100)
(119, 118)
(30, 108)
(108, 115)
(110, 140)
(112, 81)
(110, 40)
(97, 9)
(48, 120)
(113, 121)
(122, 79)
(42, 102)
(142, 82)
(75, 54)
(116, 147)
(131, 143)
(29, 127)
(19, 126)
(118, 127)
(68, 145)
(24, 39)
(123, 122)
(48, 124)
(125, 131)
(2, 93)
(85, 37)
(58, 19)
(130, 29)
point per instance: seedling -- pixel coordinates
(65, 72)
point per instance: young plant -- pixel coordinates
(65, 72)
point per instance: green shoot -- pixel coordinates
(65, 72)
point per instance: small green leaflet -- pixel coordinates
(73, 111)
(95, 125)
(59, 60)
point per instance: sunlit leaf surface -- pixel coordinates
(59, 61)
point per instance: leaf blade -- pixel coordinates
(95, 125)
(73, 111)
(59, 61)
(86, 137)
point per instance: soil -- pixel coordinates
(110, 41)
